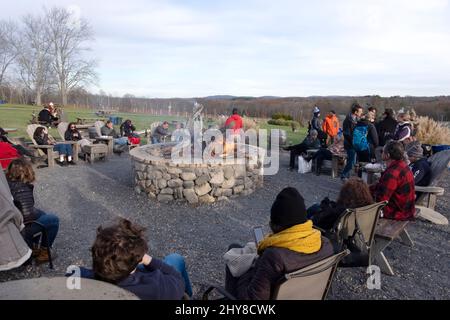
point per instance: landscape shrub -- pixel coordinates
(282, 116)
(432, 132)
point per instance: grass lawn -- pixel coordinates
(18, 116)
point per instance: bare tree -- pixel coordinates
(34, 61)
(8, 52)
(68, 35)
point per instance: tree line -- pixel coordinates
(44, 54)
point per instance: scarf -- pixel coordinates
(301, 238)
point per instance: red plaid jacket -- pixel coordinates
(396, 186)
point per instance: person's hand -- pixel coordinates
(146, 260)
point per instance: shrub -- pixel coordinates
(431, 132)
(285, 123)
(282, 116)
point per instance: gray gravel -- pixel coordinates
(86, 196)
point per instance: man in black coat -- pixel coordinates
(386, 127)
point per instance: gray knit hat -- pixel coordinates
(414, 150)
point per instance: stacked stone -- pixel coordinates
(196, 183)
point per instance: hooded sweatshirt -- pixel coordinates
(234, 122)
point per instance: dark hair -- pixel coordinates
(117, 250)
(372, 109)
(20, 170)
(355, 107)
(108, 122)
(355, 193)
(235, 111)
(165, 122)
(333, 112)
(3, 132)
(38, 132)
(395, 150)
(389, 112)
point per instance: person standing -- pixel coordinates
(234, 122)
(386, 127)
(348, 127)
(331, 126)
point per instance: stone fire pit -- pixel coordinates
(160, 178)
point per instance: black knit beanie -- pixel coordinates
(288, 209)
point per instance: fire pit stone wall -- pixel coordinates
(165, 181)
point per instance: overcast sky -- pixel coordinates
(194, 48)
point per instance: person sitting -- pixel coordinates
(235, 122)
(13, 249)
(21, 177)
(46, 116)
(396, 184)
(23, 152)
(355, 193)
(294, 244)
(120, 143)
(311, 142)
(7, 154)
(337, 148)
(65, 150)
(119, 256)
(419, 165)
(127, 129)
(72, 134)
(161, 133)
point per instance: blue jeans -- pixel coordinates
(351, 157)
(63, 149)
(177, 261)
(50, 223)
(121, 141)
(155, 140)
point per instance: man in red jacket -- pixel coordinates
(234, 122)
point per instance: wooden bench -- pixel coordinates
(386, 232)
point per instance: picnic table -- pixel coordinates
(86, 120)
(57, 289)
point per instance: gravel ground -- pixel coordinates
(86, 196)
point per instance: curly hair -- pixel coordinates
(355, 193)
(20, 170)
(117, 250)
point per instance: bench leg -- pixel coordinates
(76, 149)
(378, 257)
(406, 239)
(431, 203)
(334, 167)
(110, 146)
(50, 158)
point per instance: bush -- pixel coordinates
(431, 132)
(282, 116)
(284, 123)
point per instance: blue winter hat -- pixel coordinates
(316, 110)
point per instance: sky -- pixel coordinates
(197, 48)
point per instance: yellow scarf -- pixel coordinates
(301, 238)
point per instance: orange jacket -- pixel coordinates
(331, 125)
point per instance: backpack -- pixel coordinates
(360, 142)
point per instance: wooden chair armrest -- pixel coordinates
(434, 190)
(104, 138)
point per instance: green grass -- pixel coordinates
(292, 137)
(18, 116)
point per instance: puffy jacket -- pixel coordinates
(24, 199)
(13, 248)
(331, 126)
(258, 283)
